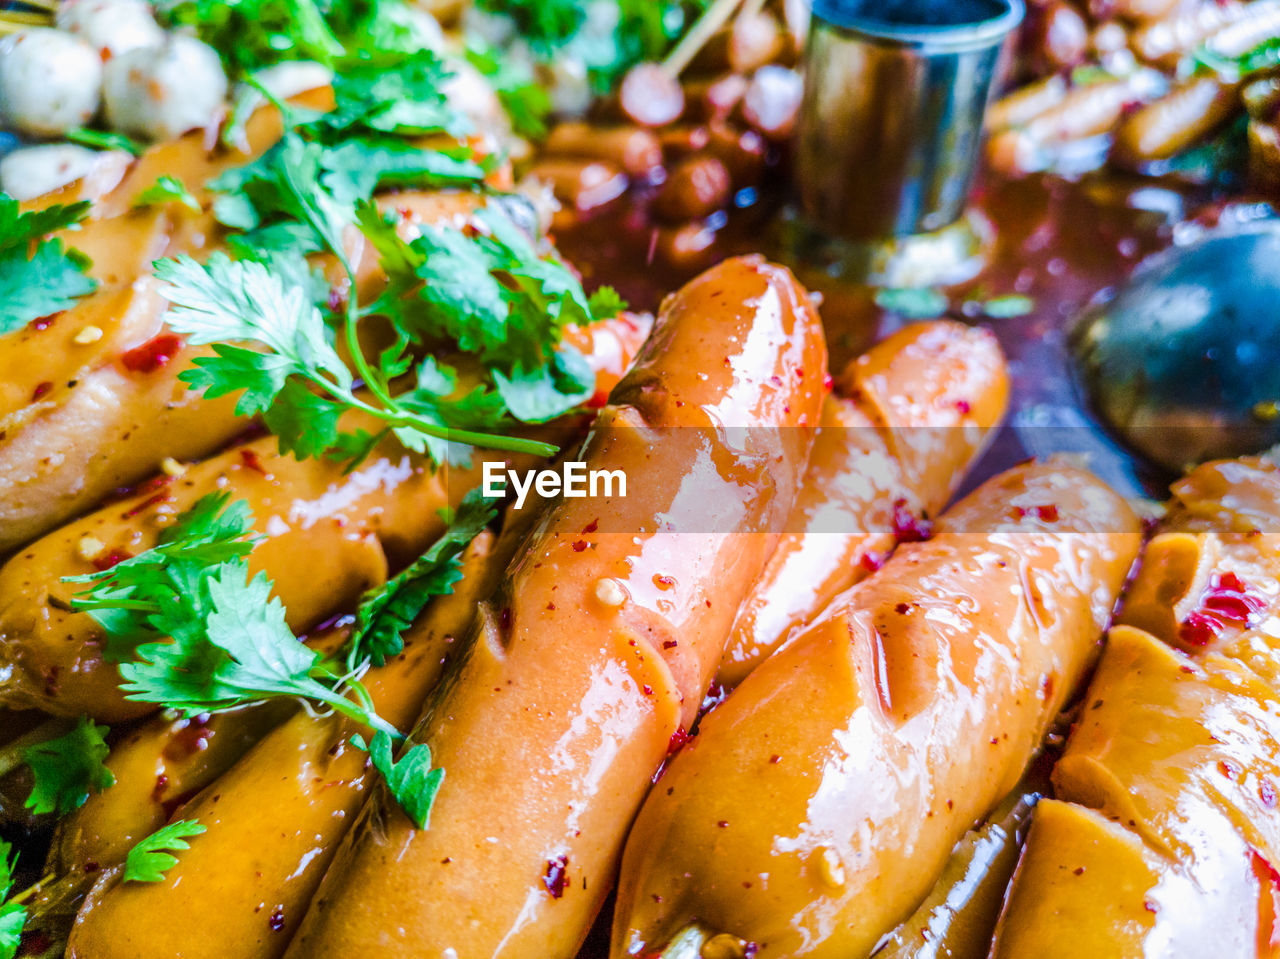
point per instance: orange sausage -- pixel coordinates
(1179, 120)
(907, 420)
(1164, 836)
(328, 535)
(600, 644)
(275, 820)
(819, 803)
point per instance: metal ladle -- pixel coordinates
(1183, 363)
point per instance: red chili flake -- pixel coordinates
(646, 689)
(43, 323)
(723, 824)
(716, 694)
(750, 951)
(579, 546)
(963, 407)
(1228, 768)
(35, 943)
(663, 582)
(1047, 513)
(157, 790)
(91, 867)
(153, 354)
(827, 381)
(104, 561)
(1078, 871)
(1150, 905)
(907, 526)
(51, 681)
(254, 462)
(775, 759)
(556, 878)
(598, 399)
(146, 504)
(192, 738)
(669, 644)
(276, 922)
(902, 608)
(41, 389)
(592, 526)
(337, 299)
(677, 740)
(872, 561)
(1226, 602)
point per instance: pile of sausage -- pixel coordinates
(700, 142)
(1115, 79)
(884, 669)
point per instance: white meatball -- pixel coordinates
(50, 82)
(161, 92)
(28, 172)
(113, 26)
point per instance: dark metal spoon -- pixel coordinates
(1183, 363)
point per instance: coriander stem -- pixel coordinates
(11, 753)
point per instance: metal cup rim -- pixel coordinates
(949, 38)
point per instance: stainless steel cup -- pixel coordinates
(895, 92)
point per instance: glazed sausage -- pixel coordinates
(599, 645)
(1085, 111)
(906, 421)
(1164, 838)
(329, 536)
(275, 820)
(1163, 43)
(845, 768)
(1024, 104)
(1183, 117)
(634, 149)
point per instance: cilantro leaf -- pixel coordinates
(13, 916)
(48, 279)
(158, 592)
(104, 140)
(386, 612)
(605, 303)
(411, 780)
(1008, 307)
(151, 858)
(67, 769)
(168, 189)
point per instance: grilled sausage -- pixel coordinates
(819, 803)
(907, 419)
(1164, 836)
(599, 645)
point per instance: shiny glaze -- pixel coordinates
(275, 820)
(566, 705)
(328, 537)
(908, 418)
(820, 802)
(1170, 779)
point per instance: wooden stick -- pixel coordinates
(706, 26)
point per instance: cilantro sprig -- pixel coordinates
(411, 780)
(484, 297)
(152, 857)
(13, 916)
(67, 769)
(387, 612)
(38, 275)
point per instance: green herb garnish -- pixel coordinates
(152, 857)
(67, 769)
(38, 275)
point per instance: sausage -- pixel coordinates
(274, 821)
(696, 188)
(634, 149)
(598, 646)
(1085, 111)
(1056, 37)
(329, 536)
(1163, 836)
(1186, 115)
(582, 185)
(1162, 43)
(846, 768)
(906, 421)
(1026, 103)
